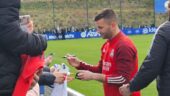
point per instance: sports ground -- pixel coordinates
(89, 51)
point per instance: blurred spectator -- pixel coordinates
(63, 32)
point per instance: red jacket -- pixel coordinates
(30, 66)
(119, 63)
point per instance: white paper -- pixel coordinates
(60, 89)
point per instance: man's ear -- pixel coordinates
(168, 4)
(113, 24)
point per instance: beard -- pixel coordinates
(107, 34)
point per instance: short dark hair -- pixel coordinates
(107, 14)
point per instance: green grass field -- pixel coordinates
(89, 51)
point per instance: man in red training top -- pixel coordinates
(119, 59)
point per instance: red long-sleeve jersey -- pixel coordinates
(119, 63)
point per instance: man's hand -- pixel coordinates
(36, 78)
(124, 90)
(85, 75)
(70, 78)
(30, 26)
(60, 77)
(73, 61)
(48, 60)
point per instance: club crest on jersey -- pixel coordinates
(104, 50)
(112, 53)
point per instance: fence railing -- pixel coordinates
(71, 92)
(48, 14)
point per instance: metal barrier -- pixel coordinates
(71, 92)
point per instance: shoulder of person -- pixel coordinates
(164, 31)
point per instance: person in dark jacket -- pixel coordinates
(155, 66)
(13, 43)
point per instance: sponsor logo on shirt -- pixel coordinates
(112, 53)
(104, 50)
(106, 66)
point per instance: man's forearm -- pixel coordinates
(98, 77)
(90, 67)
